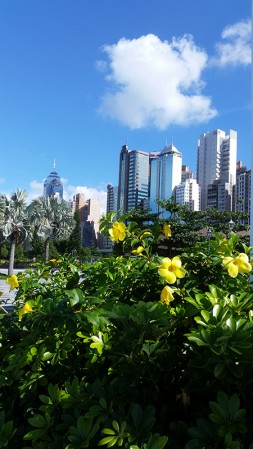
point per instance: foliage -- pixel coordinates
(189, 227)
(14, 222)
(51, 219)
(94, 356)
(74, 241)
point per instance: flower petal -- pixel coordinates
(167, 295)
(232, 270)
(166, 262)
(180, 272)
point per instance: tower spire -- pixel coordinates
(54, 164)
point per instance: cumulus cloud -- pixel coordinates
(235, 48)
(89, 193)
(156, 83)
(36, 190)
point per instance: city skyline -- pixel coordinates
(79, 81)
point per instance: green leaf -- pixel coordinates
(47, 355)
(75, 296)
(37, 421)
(220, 370)
(45, 399)
(108, 431)
(206, 315)
(217, 309)
(233, 405)
(107, 440)
(157, 442)
(34, 434)
(115, 425)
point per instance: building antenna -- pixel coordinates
(54, 164)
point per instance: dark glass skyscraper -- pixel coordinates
(53, 187)
(133, 188)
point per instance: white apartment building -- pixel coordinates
(188, 194)
(217, 162)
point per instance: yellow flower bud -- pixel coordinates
(13, 281)
(167, 230)
(167, 295)
(25, 309)
(138, 251)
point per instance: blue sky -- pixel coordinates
(81, 78)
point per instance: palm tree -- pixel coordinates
(51, 219)
(14, 222)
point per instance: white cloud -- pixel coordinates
(36, 189)
(101, 66)
(155, 83)
(89, 193)
(2, 180)
(236, 49)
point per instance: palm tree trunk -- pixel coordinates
(12, 255)
(47, 250)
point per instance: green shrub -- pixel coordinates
(94, 355)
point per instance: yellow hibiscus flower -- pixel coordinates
(171, 269)
(167, 295)
(117, 232)
(25, 309)
(236, 265)
(13, 281)
(167, 230)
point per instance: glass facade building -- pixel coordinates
(165, 175)
(53, 187)
(133, 190)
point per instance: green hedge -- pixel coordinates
(94, 355)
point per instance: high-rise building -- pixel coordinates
(90, 223)
(219, 195)
(89, 213)
(112, 199)
(53, 187)
(217, 162)
(243, 191)
(186, 173)
(79, 203)
(133, 187)
(187, 193)
(165, 175)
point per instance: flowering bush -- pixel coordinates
(136, 351)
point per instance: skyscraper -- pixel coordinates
(112, 199)
(165, 175)
(217, 164)
(90, 223)
(243, 191)
(53, 187)
(133, 179)
(79, 203)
